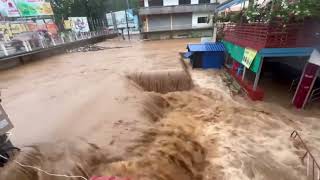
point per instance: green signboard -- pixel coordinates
(34, 7)
(237, 53)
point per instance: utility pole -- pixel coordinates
(126, 11)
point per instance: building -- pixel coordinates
(163, 19)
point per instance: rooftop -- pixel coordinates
(178, 9)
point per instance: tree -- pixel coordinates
(61, 9)
(93, 9)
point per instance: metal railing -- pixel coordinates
(15, 47)
(294, 85)
(315, 95)
(313, 168)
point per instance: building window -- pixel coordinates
(155, 2)
(204, 1)
(181, 2)
(202, 20)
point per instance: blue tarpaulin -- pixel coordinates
(207, 55)
(188, 54)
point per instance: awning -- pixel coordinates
(228, 4)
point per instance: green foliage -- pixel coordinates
(93, 9)
(277, 10)
(89, 8)
(284, 10)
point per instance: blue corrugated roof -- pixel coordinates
(214, 47)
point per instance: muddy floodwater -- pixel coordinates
(139, 112)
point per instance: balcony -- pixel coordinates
(276, 35)
(190, 8)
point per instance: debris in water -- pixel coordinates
(162, 81)
(93, 47)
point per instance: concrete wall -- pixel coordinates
(175, 22)
(182, 21)
(170, 2)
(195, 23)
(178, 34)
(176, 2)
(159, 22)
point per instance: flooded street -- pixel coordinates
(138, 112)
(70, 95)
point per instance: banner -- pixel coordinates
(32, 26)
(34, 8)
(120, 18)
(67, 24)
(52, 28)
(79, 24)
(5, 29)
(248, 57)
(41, 25)
(15, 28)
(8, 9)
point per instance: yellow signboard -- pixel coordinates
(248, 57)
(67, 24)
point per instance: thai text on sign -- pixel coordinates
(248, 57)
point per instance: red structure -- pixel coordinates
(255, 95)
(272, 35)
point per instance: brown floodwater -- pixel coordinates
(94, 113)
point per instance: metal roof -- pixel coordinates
(228, 4)
(213, 47)
(285, 52)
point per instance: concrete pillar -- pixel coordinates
(29, 45)
(76, 36)
(171, 22)
(53, 42)
(41, 43)
(256, 81)
(62, 39)
(147, 23)
(3, 47)
(25, 46)
(244, 72)
(70, 38)
(214, 36)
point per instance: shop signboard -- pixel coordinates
(79, 24)
(34, 7)
(248, 57)
(5, 29)
(15, 28)
(315, 57)
(8, 9)
(121, 20)
(32, 26)
(67, 24)
(109, 19)
(41, 25)
(52, 28)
